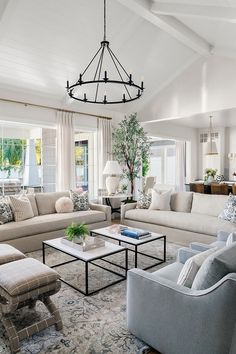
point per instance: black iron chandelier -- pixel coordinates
(90, 89)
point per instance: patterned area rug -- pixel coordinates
(92, 325)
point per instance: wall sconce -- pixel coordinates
(232, 156)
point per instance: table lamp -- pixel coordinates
(113, 170)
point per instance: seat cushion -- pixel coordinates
(170, 272)
(46, 201)
(27, 274)
(203, 224)
(47, 223)
(9, 254)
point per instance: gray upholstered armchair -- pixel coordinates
(175, 319)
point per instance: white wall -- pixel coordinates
(208, 85)
(169, 130)
(230, 146)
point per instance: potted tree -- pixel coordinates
(131, 146)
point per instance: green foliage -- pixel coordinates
(11, 154)
(209, 172)
(131, 146)
(77, 231)
(145, 166)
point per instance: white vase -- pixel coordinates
(234, 178)
(210, 179)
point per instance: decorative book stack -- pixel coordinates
(137, 234)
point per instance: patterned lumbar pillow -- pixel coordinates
(64, 205)
(80, 201)
(229, 212)
(21, 207)
(6, 214)
(144, 200)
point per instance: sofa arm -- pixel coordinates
(185, 253)
(124, 208)
(175, 319)
(105, 208)
(222, 235)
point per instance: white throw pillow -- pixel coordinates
(192, 266)
(160, 200)
(64, 205)
(21, 207)
(231, 238)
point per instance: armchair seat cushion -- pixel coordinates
(24, 275)
(170, 272)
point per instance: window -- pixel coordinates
(25, 160)
(162, 161)
(81, 164)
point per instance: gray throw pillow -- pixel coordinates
(80, 200)
(6, 214)
(229, 212)
(144, 200)
(215, 267)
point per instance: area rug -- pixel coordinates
(91, 325)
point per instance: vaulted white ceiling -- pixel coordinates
(45, 43)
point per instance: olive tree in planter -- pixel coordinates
(131, 146)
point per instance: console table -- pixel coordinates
(108, 198)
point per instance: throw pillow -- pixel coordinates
(231, 238)
(80, 201)
(215, 267)
(192, 266)
(6, 214)
(21, 208)
(144, 200)
(160, 200)
(229, 212)
(64, 205)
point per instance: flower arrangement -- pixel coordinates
(79, 231)
(234, 174)
(209, 172)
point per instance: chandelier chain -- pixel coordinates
(105, 20)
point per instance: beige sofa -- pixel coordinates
(193, 217)
(46, 224)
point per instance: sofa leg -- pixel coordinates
(12, 334)
(53, 311)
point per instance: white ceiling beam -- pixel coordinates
(209, 12)
(170, 25)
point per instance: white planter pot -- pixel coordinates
(234, 178)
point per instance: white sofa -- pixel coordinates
(193, 217)
(27, 235)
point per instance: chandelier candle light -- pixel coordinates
(211, 148)
(100, 77)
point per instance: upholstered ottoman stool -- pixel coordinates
(9, 254)
(22, 283)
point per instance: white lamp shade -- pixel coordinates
(211, 148)
(112, 168)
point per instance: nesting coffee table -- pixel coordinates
(108, 232)
(88, 257)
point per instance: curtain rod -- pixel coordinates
(53, 108)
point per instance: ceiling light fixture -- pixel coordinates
(211, 148)
(100, 78)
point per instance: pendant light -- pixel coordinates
(211, 148)
(105, 80)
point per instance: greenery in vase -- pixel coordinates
(131, 146)
(79, 231)
(209, 172)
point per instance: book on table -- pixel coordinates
(137, 234)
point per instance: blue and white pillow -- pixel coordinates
(6, 214)
(80, 200)
(144, 200)
(229, 212)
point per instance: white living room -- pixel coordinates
(118, 176)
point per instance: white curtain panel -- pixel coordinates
(104, 145)
(65, 151)
(180, 166)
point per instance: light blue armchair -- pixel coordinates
(175, 319)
